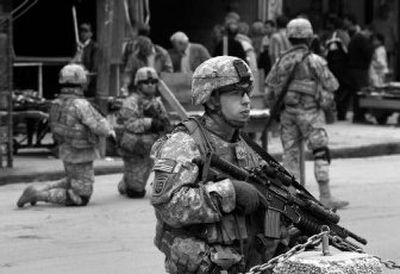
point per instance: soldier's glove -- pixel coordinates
(247, 196)
(157, 125)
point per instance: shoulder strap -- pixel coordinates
(278, 104)
(199, 134)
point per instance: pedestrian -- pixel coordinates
(336, 56)
(311, 89)
(141, 120)
(87, 54)
(264, 61)
(379, 64)
(212, 224)
(247, 44)
(144, 54)
(186, 56)
(359, 60)
(279, 42)
(257, 32)
(235, 48)
(76, 126)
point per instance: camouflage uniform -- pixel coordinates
(199, 228)
(76, 126)
(135, 119)
(302, 116)
(311, 88)
(137, 136)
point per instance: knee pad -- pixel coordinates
(322, 153)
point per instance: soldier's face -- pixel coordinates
(235, 106)
(148, 87)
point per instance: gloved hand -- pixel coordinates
(247, 196)
(157, 125)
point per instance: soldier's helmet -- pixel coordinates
(222, 73)
(145, 73)
(73, 74)
(299, 28)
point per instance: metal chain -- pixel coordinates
(313, 240)
(387, 263)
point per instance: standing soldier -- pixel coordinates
(76, 126)
(303, 83)
(208, 223)
(142, 119)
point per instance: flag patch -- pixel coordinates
(165, 165)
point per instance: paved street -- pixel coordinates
(114, 234)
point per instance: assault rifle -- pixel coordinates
(281, 194)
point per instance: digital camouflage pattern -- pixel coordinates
(136, 172)
(212, 74)
(299, 28)
(76, 188)
(136, 137)
(308, 125)
(196, 220)
(73, 74)
(302, 116)
(77, 125)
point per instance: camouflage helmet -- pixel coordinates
(73, 74)
(299, 28)
(218, 73)
(145, 73)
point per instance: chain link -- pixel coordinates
(312, 241)
(387, 263)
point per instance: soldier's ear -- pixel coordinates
(214, 102)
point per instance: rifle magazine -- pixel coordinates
(272, 224)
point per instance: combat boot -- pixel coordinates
(327, 199)
(31, 195)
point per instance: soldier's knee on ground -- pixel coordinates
(135, 194)
(74, 199)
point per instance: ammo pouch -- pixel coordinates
(303, 93)
(230, 228)
(225, 257)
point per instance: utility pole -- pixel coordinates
(6, 85)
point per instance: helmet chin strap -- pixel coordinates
(216, 112)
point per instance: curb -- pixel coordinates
(338, 153)
(54, 175)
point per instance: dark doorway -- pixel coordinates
(46, 30)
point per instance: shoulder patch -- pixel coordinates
(165, 165)
(160, 180)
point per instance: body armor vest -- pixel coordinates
(66, 127)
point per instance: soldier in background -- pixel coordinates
(76, 126)
(310, 91)
(142, 119)
(208, 223)
(87, 54)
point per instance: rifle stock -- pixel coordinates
(305, 213)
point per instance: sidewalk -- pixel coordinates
(346, 141)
